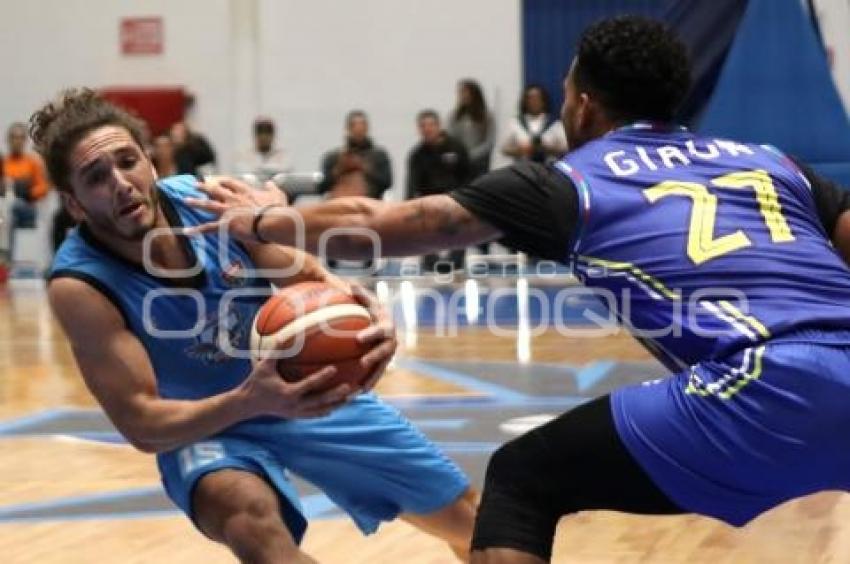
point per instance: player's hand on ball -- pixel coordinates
(380, 335)
(236, 204)
(267, 393)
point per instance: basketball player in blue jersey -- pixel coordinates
(726, 259)
(156, 323)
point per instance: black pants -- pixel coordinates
(573, 463)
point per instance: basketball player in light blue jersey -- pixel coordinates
(159, 326)
(727, 260)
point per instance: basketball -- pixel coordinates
(314, 325)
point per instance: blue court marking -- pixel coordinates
(435, 403)
(463, 380)
(468, 447)
(315, 506)
(101, 516)
(319, 506)
(111, 437)
(441, 424)
(18, 423)
(594, 373)
(52, 508)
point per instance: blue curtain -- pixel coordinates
(551, 28)
(707, 29)
(776, 87)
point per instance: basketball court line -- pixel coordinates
(464, 426)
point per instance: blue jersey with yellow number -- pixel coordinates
(702, 246)
(196, 329)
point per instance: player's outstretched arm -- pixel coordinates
(355, 228)
(118, 372)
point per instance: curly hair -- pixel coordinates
(59, 125)
(636, 67)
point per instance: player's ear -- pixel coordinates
(584, 111)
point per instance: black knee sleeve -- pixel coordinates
(573, 463)
(515, 511)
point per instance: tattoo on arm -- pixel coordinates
(440, 215)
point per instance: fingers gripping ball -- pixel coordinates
(312, 325)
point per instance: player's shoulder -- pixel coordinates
(81, 305)
(181, 186)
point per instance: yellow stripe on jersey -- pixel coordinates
(732, 382)
(748, 319)
(636, 272)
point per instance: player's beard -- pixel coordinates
(110, 225)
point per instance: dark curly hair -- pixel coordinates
(636, 67)
(58, 126)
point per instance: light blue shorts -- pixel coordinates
(365, 456)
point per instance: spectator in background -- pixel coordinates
(439, 163)
(4, 228)
(535, 134)
(162, 156)
(264, 160)
(26, 177)
(192, 152)
(358, 152)
(473, 125)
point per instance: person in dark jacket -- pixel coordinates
(439, 163)
(359, 150)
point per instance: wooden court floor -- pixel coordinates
(37, 373)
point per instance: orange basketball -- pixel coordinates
(317, 325)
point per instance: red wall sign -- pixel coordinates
(142, 36)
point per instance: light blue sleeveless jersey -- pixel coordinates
(188, 332)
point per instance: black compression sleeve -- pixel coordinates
(534, 206)
(831, 199)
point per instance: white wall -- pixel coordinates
(305, 63)
(834, 20)
(392, 58)
(47, 45)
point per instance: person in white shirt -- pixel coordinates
(264, 160)
(535, 134)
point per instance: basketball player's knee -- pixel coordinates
(253, 522)
(512, 469)
(238, 510)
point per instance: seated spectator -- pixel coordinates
(358, 151)
(439, 163)
(162, 156)
(535, 134)
(264, 160)
(26, 177)
(192, 152)
(4, 229)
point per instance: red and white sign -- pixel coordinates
(142, 36)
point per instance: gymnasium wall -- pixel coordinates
(834, 21)
(303, 63)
